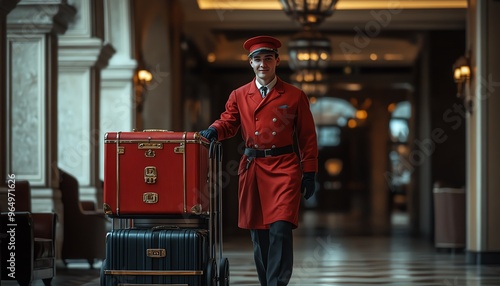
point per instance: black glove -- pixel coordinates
(308, 184)
(210, 134)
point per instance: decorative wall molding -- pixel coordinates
(84, 52)
(32, 93)
(27, 122)
(39, 17)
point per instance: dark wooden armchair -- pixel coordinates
(31, 237)
(84, 227)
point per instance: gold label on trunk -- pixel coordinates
(150, 146)
(156, 252)
(150, 175)
(150, 198)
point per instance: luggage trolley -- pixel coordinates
(156, 244)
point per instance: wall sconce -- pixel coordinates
(144, 76)
(461, 75)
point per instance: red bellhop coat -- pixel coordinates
(269, 190)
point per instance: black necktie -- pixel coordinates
(263, 91)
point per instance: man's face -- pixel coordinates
(264, 66)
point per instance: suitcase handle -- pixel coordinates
(160, 227)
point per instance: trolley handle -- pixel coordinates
(211, 149)
(214, 150)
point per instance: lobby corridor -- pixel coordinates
(344, 255)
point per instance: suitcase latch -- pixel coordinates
(150, 198)
(179, 149)
(156, 252)
(150, 153)
(150, 175)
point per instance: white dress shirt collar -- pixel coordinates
(269, 86)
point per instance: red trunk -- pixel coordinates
(155, 173)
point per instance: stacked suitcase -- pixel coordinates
(162, 190)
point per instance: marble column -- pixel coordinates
(32, 29)
(5, 7)
(117, 109)
(83, 53)
(483, 138)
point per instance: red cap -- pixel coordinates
(261, 43)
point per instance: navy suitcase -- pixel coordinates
(158, 256)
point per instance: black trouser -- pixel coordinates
(273, 253)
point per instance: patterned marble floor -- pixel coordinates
(331, 260)
(329, 257)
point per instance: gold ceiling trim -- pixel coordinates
(341, 5)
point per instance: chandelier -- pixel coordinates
(308, 76)
(313, 89)
(313, 82)
(309, 13)
(309, 50)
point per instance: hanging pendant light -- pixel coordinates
(309, 13)
(309, 50)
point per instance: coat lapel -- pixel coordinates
(254, 94)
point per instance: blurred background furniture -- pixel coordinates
(85, 227)
(450, 216)
(34, 235)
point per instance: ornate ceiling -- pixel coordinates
(362, 33)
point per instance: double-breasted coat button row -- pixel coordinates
(257, 133)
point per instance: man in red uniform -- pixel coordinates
(271, 175)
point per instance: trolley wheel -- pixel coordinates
(211, 273)
(103, 277)
(224, 272)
